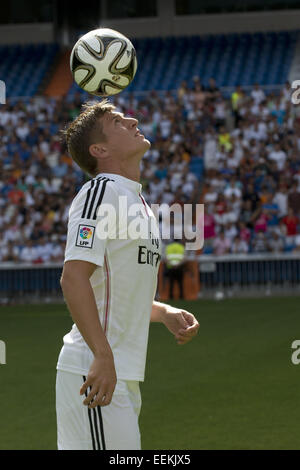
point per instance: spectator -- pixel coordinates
(221, 244)
(281, 200)
(28, 253)
(232, 189)
(9, 252)
(257, 94)
(245, 233)
(260, 221)
(230, 231)
(291, 222)
(271, 209)
(278, 156)
(239, 246)
(174, 266)
(244, 162)
(259, 244)
(58, 250)
(251, 195)
(294, 198)
(275, 243)
(209, 226)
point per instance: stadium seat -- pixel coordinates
(232, 59)
(24, 67)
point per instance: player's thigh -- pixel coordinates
(120, 418)
(73, 420)
(112, 427)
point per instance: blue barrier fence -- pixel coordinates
(241, 272)
(244, 272)
(19, 279)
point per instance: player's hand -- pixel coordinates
(102, 380)
(181, 323)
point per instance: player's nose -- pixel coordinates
(133, 122)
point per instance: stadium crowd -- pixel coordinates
(238, 154)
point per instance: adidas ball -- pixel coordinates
(103, 62)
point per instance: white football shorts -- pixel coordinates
(111, 427)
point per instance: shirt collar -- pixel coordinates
(134, 185)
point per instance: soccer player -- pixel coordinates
(109, 285)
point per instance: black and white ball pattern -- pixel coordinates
(103, 62)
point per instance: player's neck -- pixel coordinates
(130, 171)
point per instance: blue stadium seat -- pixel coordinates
(24, 66)
(234, 59)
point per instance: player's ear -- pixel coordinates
(98, 150)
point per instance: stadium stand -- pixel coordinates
(62, 79)
(234, 59)
(237, 153)
(23, 67)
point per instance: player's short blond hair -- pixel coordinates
(85, 130)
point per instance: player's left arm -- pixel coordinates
(182, 324)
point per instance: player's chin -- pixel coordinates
(147, 143)
(143, 145)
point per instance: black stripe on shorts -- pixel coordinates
(94, 429)
(101, 427)
(90, 420)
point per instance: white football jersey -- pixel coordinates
(124, 282)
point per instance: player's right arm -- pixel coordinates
(79, 296)
(85, 252)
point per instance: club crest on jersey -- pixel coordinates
(85, 236)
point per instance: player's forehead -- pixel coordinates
(111, 115)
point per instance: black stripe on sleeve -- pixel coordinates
(93, 198)
(100, 198)
(87, 199)
(101, 427)
(90, 420)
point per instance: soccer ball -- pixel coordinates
(103, 62)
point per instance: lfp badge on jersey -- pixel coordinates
(85, 236)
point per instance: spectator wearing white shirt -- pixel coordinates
(22, 129)
(12, 233)
(218, 183)
(44, 250)
(9, 252)
(187, 187)
(157, 186)
(239, 246)
(4, 115)
(232, 162)
(28, 253)
(211, 195)
(221, 244)
(58, 251)
(279, 156)
(258, 94)
(232, 189)
(281, 199)
(230, 231)
(225, 217)
(165, 126)
(234, 204)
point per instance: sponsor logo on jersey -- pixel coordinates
(85, 236)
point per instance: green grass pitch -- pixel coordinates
(233, 387)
